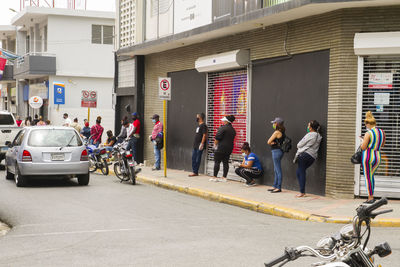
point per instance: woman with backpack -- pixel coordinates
(275, 141)
(307, 152)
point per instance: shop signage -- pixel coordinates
(35, 102)
(89, 99)
(164, 88)
(380, 80)
(381, 98)
(59, 93)
(190, 14)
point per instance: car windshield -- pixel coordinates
(6, 119)
(54, 138)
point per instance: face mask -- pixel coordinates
(244, 154)
(197, 119)
(154, 121)
(274, 126)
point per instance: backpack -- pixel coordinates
(160, 140)
(286, 144)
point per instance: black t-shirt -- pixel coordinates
(226, 136)
(110, 139)
(200, 130)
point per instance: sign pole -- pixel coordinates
(88, 115)
(165, 138)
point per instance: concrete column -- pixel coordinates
(20, 99)
(9, 45)
(38, 39)
(32, 39)
(21, 43)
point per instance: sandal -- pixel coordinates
(300, 195)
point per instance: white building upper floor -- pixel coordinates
(82, 42)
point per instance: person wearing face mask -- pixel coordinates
(133, 134)
(157, 131)
(199, 144)
(223, 147)
(275, 141)
(250, 168)
(307, 152)
(374, 139)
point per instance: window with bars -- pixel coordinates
(102, 34)
(227, 95)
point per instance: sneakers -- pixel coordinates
(218, 180)
(252, 183)
(156, 169)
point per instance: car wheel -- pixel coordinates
(9, 175)
(20, 180)
(83, 179)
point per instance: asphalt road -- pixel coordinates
(58, 223)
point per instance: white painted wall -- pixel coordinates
(73, 88)
(70, 39)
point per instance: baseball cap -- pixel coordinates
(155, 116)
(134, 114)
(277, 120)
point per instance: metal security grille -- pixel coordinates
(227, 94)
(381, 95)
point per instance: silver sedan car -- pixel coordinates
(47, 150)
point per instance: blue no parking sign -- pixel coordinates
(59, 93)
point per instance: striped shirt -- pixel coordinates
(377, 139)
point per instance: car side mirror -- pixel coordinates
(8, 143)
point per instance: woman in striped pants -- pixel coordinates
(373, 141)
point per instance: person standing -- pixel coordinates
(123, 132)
(223, 147)
(275, 141)
(41, 122)
(76, 126)
(35, 120)
(250, 168)
(157, 132)
(18, 121)
(307, 152)
(96, 132)
(85, 132)
(374, 139)
(199, 144)
(27, 121)
(67, 121)
(133, 135)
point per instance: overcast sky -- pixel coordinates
(6, 14)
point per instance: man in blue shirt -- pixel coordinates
(250, 168)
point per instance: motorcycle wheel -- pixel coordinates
(92, 164)
(132, 174)
(118, 172)
(104, 167)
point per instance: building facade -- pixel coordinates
(67, 48)
(301, 64)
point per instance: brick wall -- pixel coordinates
(334, 31)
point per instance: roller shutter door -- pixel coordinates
(381, 95)
(227, 94)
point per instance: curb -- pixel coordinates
(261, 207)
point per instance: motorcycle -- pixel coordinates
(124, 165)
(97, 158)
(345, 248)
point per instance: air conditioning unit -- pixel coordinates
(223, 61)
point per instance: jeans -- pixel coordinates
(224, 157)
(96, 145)
(304, 161)
(132, 145)
(276, 158)
(157, 156)
(196, 160)
(249, 174)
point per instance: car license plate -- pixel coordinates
(57, 157)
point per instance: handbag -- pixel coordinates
(357, 157)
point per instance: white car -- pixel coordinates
(39, 151)
(9, 129)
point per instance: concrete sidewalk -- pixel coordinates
(257, 198)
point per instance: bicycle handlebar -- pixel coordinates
(377, 204)
(277, 260)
